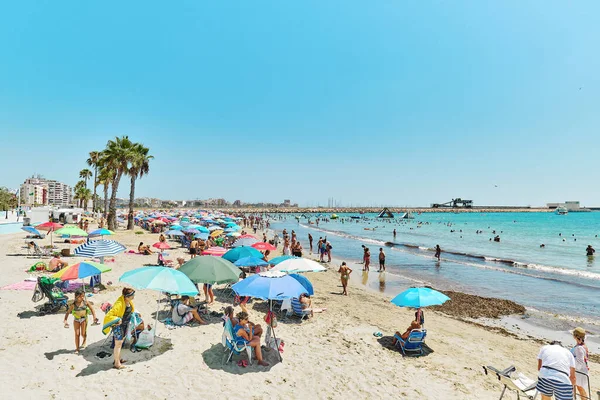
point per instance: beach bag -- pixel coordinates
(146, 338)
(271, 319)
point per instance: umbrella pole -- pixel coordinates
(156, 316)
(273, 330)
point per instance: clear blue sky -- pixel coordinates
(385, 102)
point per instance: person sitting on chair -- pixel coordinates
(184, 313)
(413, 325)
(56, 264)
(306, 304)
(243, 332)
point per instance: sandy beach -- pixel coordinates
(333, 355)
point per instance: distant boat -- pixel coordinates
(334, 216)
(561, 211)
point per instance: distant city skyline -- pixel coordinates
(369, 104)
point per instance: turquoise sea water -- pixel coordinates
(558, 278)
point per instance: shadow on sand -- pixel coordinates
(102, 348)
(387, 342)
(216, 356)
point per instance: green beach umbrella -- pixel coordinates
(210, 269)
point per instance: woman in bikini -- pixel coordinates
(345, 272)
(243, 332)
(79, 310)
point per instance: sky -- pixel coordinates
(370, 103)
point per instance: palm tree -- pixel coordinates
(105, 177)
(79, 192)
(85, 174)
(93, 161)
(116, 158)
(138, 167)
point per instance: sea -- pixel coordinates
(556, 279)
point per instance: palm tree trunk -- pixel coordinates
(131, 198)
(112, 206)
(95, 184)
(105, 211)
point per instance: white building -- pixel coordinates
(37, 190)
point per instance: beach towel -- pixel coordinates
(115, 314)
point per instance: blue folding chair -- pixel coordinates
(234, 345)
(414, 342)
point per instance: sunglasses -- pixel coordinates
(130, 294)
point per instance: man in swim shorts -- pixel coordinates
(381, 260)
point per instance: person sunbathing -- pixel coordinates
(243, 332)
(142, 248)
(184, 313)
(56, 264)
(413, 325)
(306, 304)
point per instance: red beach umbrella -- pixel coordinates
(264, 246)
(48, 226)
(247, 236)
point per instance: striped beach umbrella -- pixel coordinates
(99, 248)
(81, 270)
(215, 251)
(245, 241)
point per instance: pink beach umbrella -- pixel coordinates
(215, 251)
(264, 246)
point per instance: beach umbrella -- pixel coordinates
(229, 230)
(81, 270)
(214, 228)
(216, 233)
(203, 229)
(101, 232)
(279, 259)
(49, 227)
(305, 283)
(192, 231)
(264, 246)
(215, 251)
(159, 222)
(174, 232)
(99, 249)
(161, 246)
(201, 235)
(162, 279)
(176, 227)
(248, 237)
(269, 286)
(210, 269)
(419, 297)
(240, 252)
(245, 241)
(250, 262)
(234, 234)
(32, 230)
(71, 231)
(298, 265)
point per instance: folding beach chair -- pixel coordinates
(514, 381)
(414, 342)
(234, 346)
(298, 311)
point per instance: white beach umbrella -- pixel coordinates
(298, 265)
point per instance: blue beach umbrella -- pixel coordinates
(176, 227)
(250, 262)
(229, 230)
(192, 231)
(305, 283)
(32, 230)
(240, 252)
(279, 259)
(101, 232)
(174, 232)
(214, 228)
(245, 242)
(268, 286)
(201, 235)
(99, 248)
(203, 229)
(419, 297)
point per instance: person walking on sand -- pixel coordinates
(438, 251)
(118, 319)
(581, 354)
(381, 260)
(367, 258)
(328, 248)
(310, 240)
(79, 309)
(345, 272)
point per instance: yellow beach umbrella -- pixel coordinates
(216, 233)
